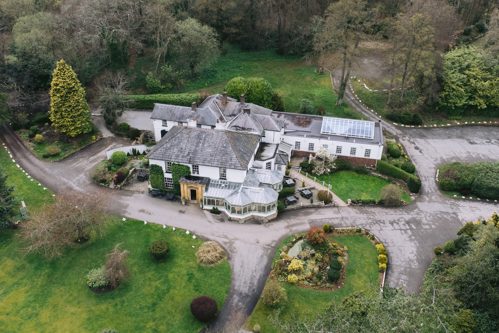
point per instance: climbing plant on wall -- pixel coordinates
(157, 177)
(179, 171)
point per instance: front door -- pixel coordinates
(193, 195)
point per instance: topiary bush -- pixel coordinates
(414, 184)
(393, 150)
(316, 236)
(292, 278)
(215, 210)
(273, 294)
(325, 196)
(438, 251)
(39, 138)
(159, 249)
(97, 279)
(333, 274)
(382, 259)
(157, 177)
(118, 158)
(407, 166)
(327, 228)
(380, 248)
(204, 309)
(391, 196)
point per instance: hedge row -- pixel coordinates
(479, 179)
(147, 101)
(387, 169)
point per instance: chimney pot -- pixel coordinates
(242, 99)
(224, 97)
(194, 106)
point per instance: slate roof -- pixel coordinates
(245, 122)
(209, 147)
(251, 195)
(259, 177)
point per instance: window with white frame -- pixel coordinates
(195, 169)
(268, 166)
(367, 153)
(169, 167)
(168, 182)
(353, 151)
(297, 145)
(223, 173)
(310, 146)
(338, 150)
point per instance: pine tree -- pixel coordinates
(7, 202)
(69, 111)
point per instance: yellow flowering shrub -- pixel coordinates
(295, 265)
(292, 278)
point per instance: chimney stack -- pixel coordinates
(242, 99)
(194, 106)
(224, 98)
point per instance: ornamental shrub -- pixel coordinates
(120, 176)
(380, 248)
(382, 259)
(306, 166)
(438, 251)
(327, 228)
(204, 309)
(286, 192)
(333, 275)
(393, 150)
(407, 166)
(342, 164)
(257, 328)
(292, 278)
(468, 229)
(316, 236)
(414, 184)
(38, 138)
(159, 249)
(296, 265)
(215, 210)
(306, 106)
(273, 294)
(52, 151)
(391, 195)
(97, 279)
(118, 158)
(450, 247)
(387, 169)
(325, 196)
(280, 206)
(157, 177)
(382, 267)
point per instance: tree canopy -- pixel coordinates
(69, 111)
(7, 202)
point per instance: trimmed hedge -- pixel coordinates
(286, 192)
(390, 170)
(147, 101)
(479, 179)
(157, 177)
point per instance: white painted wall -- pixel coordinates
(271, 137)
(376, 150)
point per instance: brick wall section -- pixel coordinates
(359, 161)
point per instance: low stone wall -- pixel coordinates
(141, 149)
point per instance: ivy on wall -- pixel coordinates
(179, 171)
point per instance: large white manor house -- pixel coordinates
(237, 152)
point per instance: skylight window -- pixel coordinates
(361, 129)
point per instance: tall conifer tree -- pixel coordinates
(7, 202)
(69, 111)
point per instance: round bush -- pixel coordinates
(210, 253)
(273, 294)
(296, 265)
(382, 259)
(204, 309)
(414, 184)
(407, 166)
(327, 228)
(391, 195)
(333, 275)
(292, 278)
(159, 249)
(39, 138)
(382, 267)
(450, 247)
(438, 251)
(316, 236)
(118, 158)
(257, 328)
(393, 150)
(97, 279)
(325, 196)
(380, 248)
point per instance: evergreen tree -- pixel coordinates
(7, 202)
(69, 111)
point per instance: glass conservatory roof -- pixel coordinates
(348, 127)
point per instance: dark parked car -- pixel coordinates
(288, 182)
(307, 194)
(142, 175)
(155, 193)
(291, 200)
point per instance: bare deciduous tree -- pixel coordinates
(73, 218)
(116, 269)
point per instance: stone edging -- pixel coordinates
(457, 124)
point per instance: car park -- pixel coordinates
(291, 200)
(306, 193)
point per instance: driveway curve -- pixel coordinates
(410, 233)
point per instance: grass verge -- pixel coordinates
(305, 304)
(51, 296)
(356, 186)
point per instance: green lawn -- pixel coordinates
(66, 148)
(353, 185)
(33, 194)
(290, 76)
(306, 304)
(51, 296)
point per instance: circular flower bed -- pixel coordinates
(312, 260)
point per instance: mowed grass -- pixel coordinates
(24, 189)
(356, 186)
(305, 304)
(38, 295)
(290, 76)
